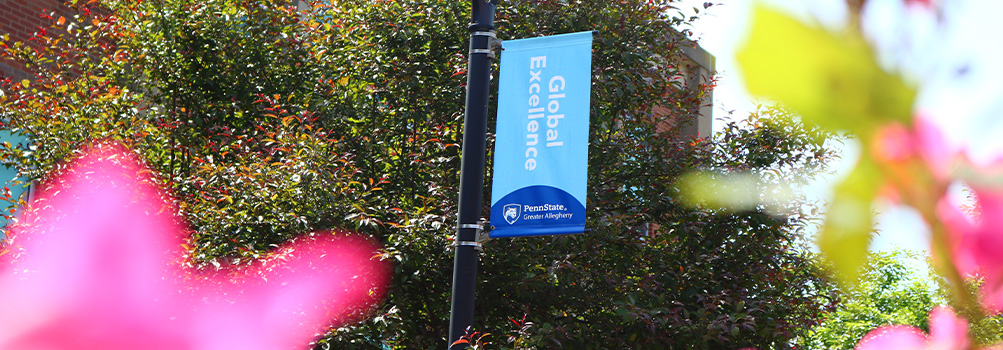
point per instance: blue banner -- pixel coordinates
(542, 136)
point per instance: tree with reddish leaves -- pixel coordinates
(266, 123)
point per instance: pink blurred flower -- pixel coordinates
(96, 264)
(947, 332)
(922, 3)
(896, 144)
(977, 245)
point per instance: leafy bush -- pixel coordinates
(266, 123)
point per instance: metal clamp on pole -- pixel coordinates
(493, 44)
(476, 245)
(487, 34)
(481, 236)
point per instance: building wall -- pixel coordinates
(699, 69)
(696, 67)
(20, 19)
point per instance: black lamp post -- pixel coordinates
(461, 313)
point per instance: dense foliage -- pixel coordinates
(893, 288)
(266, 123)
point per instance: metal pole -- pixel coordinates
(461, 313)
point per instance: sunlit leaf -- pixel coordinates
(732, 192)
(849, 223)
(829, 78)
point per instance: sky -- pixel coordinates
(949, 59)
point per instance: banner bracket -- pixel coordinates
(477, 245)
(493, 44)
(490, 34)
(481, 235)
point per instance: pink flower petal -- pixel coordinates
(894, 143)
(961, 231)
(95, 265)
(893, 337)
(947, 330)
(922, 3)
(314, 281)
(933, 147)
(977, 248)
(989, 235)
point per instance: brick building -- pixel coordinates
(698, 68)
(20, 19)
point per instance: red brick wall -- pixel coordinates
(21, 18)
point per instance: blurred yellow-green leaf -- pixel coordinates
(849, 223)
(832, 79)
(731, 191)
(725, 191)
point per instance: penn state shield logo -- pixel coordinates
(511, 212)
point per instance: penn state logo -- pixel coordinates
(511, 212)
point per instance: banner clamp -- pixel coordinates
(493, 44)
(480, 237)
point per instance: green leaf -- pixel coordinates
(849, 223)
(829, 78)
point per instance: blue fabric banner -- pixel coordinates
(542, 136)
